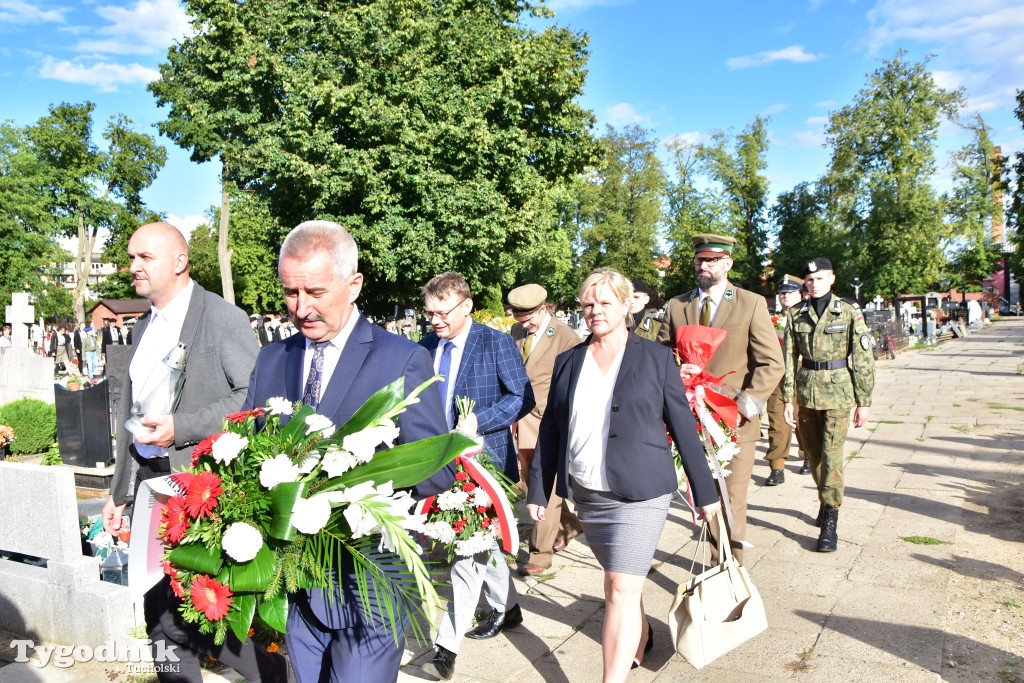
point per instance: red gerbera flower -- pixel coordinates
(204, 447)
(486, 522)
(461, 476)
(179, 592)
(241, 416)
(202, 494)
(182, 479)
(468, 486)
(210, 597)
(176, 519)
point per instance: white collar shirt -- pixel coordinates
(716, 300)
(545, 323)
(332, 353)
(161, 335)
(458, 346)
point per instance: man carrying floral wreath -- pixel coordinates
(337, 362)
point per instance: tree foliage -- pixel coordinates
(1015, 210)
(433, 131)
(621, 206)
(978, 171)
(878, 181)
(89, 189)
(804, 231)
(28, 252)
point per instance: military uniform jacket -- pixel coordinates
(840, 334)
(751, 348)
(554, 339)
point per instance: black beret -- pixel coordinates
(814, 265)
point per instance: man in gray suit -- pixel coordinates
(221, 354)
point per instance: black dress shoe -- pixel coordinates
(496, 623)
(442, 666)
(805, 468)
(648, 647)
(775, 478)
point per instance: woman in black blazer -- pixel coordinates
(603, 438)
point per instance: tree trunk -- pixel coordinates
(83, 266)
(223, 253)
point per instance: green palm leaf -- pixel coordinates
(240, 615)
(197, 557)
(407, 464)
(254, 575)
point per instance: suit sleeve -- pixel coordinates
(666, 334)
(424, 419)
(547, 457)
(765, 353)
(683, 428)
(237, 350)
(516, 397)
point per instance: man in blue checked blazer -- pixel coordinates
(484, 365)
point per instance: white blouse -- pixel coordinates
(589, 423)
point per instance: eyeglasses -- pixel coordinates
(520, 319)
(429, 315)
(698, 260)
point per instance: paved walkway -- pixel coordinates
(943, 444)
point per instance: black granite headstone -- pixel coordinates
(83, 426)
(115, 371)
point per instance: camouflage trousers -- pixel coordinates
(822, 434)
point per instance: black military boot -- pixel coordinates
(775, 478)
(805, 468)
(821, 514)
(442, 666)
(828, 539)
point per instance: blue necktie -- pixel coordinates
(311, 394)
(445, 369)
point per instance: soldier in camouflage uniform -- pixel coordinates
(830, 369)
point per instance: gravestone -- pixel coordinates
(23, 374)
(83, 426)
(58, 598)
(116, 370)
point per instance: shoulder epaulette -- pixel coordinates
(851, 302)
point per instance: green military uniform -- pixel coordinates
(830, 368)
(649, 325)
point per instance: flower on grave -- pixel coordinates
(6, 435)
(272, 503)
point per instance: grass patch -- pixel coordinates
(138, 631)
(919, 439)
(1017, 408)
(963, 429)
(956, 405)
(924, 540)
(1010, 604)
(802, 663)
(891, 422)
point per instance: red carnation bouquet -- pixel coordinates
(271, 504)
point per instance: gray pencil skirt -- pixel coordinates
(622, 533)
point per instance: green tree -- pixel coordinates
(549, 260)
(621, 206)
(878, 181)
(978, 171)
(91, 189)
(29, 254)
(202, 257)
(1015, 210)
(804, 230)
(744, 192)
(433, 131)
(691, 211)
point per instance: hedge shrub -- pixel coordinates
(34, 423)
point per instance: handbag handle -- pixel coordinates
(724, 545)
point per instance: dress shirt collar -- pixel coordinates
(175, 311)
(339, 340)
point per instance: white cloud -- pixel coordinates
(949, 79)
(774, 109)
(817, 121)
(809, 138)
(186, 224)
(103, 75)
(147, 28)
(793, 53)
(20, 12)
(624, 114)
(825, 104)
(687, 139)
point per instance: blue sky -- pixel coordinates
(676, 67)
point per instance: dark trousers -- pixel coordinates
(170, 633)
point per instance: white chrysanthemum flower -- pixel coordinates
(479, 542)
(452, 500)
(440, 530)
(309, 515)
(278, 470)
(363, 444)
(480, 498)
(227, 447)
(278, 405)
(319, 423)
(242, 541)
(337, 462)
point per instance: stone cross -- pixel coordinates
(20, 314)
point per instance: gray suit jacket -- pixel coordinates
(221, 355)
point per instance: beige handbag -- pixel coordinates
(718, 610)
